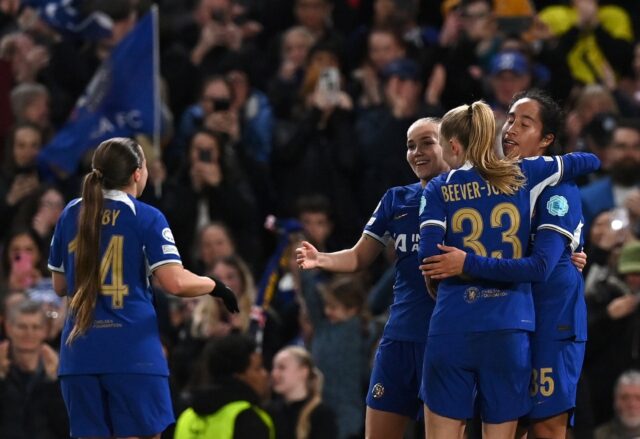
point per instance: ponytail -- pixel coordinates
(114, 161)
(475, 128)
(87, 274)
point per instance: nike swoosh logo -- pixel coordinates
(402, 215)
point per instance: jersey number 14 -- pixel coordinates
(112, 262)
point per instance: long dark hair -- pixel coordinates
(113, 163)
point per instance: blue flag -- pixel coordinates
(121, 100)
(68, 19)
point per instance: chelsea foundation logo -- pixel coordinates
(558, 205)
(471, 294)
(377, 391)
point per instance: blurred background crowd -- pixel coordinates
(299, 109)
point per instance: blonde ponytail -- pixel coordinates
(475, 128)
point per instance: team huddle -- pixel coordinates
(489, 317)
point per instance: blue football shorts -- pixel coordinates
(119, 405)
(492, 366)
(556, 371)
(395, 379)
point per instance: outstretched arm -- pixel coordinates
(356, 258)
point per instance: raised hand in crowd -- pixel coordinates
(50, 361)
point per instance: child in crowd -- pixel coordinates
(339, 346)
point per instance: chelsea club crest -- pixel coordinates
(471, 294)
(377, 391)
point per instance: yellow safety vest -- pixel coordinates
(218, 425)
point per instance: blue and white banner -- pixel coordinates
(68, 18)
(121, 100)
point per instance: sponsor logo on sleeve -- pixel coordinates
(170, 250)
(558, 205)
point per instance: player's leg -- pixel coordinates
(383, 425)
(392, 399)
(448, 386)
(551, 428)
(441, 427)
(504, 430)
(556, 372)
(504, 375)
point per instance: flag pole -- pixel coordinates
(156, 83)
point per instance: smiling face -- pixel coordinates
(522, 133)
(424, 153)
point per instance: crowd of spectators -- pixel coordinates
(299, 109)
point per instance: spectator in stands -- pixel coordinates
(510, 74)
(30, 104)
(211, 187)
(284, 86)
(626, 422)
(613, 315)
(314, 151)
(591, 100)
(314, 213)
(621, 188)
(300, 413)
(19, 177)
(22, 262)
(214, 243)
(31, 404)
(384, 46)
(382, 131)
(216, 96)
(340, 346)
(593, 41)
(228, 394)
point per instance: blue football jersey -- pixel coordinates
(561, 312)
(135, 239)
(396, 219)
(464, 210)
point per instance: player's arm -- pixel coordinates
(432, 218)
(547, 250)
(350, 260)
(177, 280)
(578, 163)
(59, 283)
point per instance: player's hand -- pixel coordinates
(224, 292)
(579, 260)
(448, 264)
(306, 256)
